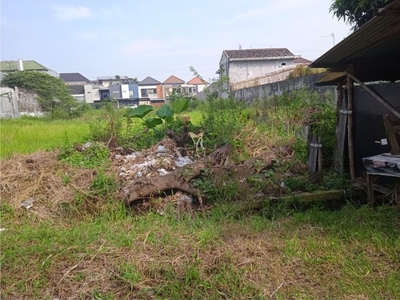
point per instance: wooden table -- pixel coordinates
(375, 166)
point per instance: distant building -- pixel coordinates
(240, 65)
(10, 66)
(74, 79)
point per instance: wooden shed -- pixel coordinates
(365, 67)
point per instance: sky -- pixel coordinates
(159, 38)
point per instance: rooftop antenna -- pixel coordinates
(332, 35)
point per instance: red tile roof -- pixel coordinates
(173, 80)
(301, 60)
(196, 80)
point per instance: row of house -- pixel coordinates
(128, 91)
(235, 65)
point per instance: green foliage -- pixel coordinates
(356, 12)
(139, 112)
(166, 114)
(107, 126)
(52, 91)
(90, 156)
(221, 120)
(103, 185)
(323, 124)
(180, 106)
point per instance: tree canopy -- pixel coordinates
(52, 91)
(356, 12)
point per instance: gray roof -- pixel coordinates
(149, 81)
(258, 53)
(76, 89)
(372, 50)
(73, 77)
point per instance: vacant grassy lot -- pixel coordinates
(353, 253)
(79, 241)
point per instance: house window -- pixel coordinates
(144, 93)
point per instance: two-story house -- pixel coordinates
(244, 64)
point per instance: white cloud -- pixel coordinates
(273, 9)
(67, 12)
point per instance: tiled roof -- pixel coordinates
(258, 53)
(301, 60)
(30, 65)
(196, 80)
(173, 80)
(149, 81)
(73, 77)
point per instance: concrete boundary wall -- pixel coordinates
(277, 88)
(17, 102)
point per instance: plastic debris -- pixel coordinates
(28, 203)
(162, 172)
(183, 161)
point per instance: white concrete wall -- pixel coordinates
(8, 103)
(91, 94)
(14, 103)
(244, 70)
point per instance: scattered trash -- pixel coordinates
(183, 161)
(86, 146)
(162, 172)
(161, 149)
(28, 203)
(2, 229)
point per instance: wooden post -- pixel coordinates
(350, 85)
(341, 129)
(319, 141)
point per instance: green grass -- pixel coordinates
(353, 253)
(28, 135)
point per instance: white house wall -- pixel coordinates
(91, 94)
(244, 70)
(125, 91)
(146, 87)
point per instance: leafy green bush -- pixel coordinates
(53, 93)
(107, 126)
(221, 120)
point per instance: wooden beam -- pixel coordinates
(376, 96)
(350, 85)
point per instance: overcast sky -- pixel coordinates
(159, 38)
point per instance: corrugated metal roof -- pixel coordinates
(149, 81)
(373, 49)
(30, 65)
(264, 53)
